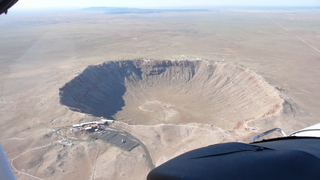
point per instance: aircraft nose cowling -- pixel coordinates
(245, 161)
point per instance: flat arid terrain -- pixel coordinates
(174, 81)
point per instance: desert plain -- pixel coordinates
(43, 50)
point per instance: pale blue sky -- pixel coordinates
(161, 3)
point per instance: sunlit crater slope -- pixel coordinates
(172, 92)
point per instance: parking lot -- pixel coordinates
(119, 139)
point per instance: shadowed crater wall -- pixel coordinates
(171, 91)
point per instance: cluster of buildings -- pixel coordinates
(93, 125)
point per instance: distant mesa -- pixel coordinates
(122, 10)
(171, 92)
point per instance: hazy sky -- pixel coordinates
(159, 3)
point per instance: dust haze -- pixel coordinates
(175, 81)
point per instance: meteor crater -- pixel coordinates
(152, 92)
